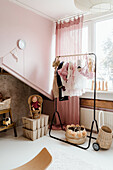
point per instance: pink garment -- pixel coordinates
(71, 71)
(67, 71)
(63, 72)
(85, 71)
(76, 84)
(35, 104)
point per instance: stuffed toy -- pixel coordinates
(35, 105)
(6, 121)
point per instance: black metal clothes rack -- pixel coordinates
(94, 120)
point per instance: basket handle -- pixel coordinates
(101, 115)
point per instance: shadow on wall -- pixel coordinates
(48, 108)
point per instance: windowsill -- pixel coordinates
(101, 95)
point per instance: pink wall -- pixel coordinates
(34, 63)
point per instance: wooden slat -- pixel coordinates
(99, 103)
(6, 127)
(4, 111)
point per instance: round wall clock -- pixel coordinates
(21, 44)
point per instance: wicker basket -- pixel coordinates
(77, 141)
(104, 138)
(6, 104)
(75, 134)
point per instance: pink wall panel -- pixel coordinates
(34, 63)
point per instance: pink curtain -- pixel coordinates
(68, 110)
(69, 42)
(69, 37)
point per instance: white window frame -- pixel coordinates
(108, 95)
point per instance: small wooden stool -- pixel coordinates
(3, 128)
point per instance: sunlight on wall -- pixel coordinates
(53, 45)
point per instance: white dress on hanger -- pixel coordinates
(76, 84)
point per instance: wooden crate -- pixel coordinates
(35, 128)
(46, 129)
(31, 124)
(46, 119)
(34, 124)
(35, 134)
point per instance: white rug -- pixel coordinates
(70, 161)
(15, 152)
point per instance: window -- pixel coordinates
(104, 51)
(85, 49)
(97, 37)
(85, 39)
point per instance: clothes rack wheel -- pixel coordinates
(96, 146)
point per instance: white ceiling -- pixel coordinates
(51, 9)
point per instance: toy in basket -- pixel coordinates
(76, 134)
(4, 103)
(6, 121)
(104, 139)
(35, 106)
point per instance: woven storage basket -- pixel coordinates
(75, 134)
(6, 104)
(77, 141)
(104, 138)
